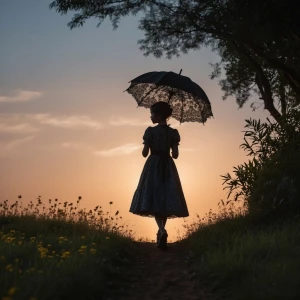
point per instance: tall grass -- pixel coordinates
(239, 256)
(59, 251)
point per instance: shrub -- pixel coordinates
(270, 180)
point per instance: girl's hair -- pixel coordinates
(162, 109)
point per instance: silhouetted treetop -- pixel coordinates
(258, 41)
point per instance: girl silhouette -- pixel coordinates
(159, 193)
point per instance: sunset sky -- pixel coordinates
(67, 129)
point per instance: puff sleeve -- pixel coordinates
(147, 137)
(175, 137)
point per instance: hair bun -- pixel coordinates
(162, 108)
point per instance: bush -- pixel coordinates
(270, 180)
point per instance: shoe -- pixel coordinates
(162, 243)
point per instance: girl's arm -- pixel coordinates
(175, 151)
(145, 151)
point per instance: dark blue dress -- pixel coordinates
(159, 190)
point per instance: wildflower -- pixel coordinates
(82, 249)
(12, 291)
(9, 268)
(107, 237)
(65, 254)
(83, 237)
(2, 257)
(93, 250)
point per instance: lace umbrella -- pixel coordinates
(188, 100)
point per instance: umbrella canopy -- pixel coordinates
(188, 100)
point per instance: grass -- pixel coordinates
(238, 256)
(51, 253)
(63, 252)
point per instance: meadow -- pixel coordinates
(61, 252)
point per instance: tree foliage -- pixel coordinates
(258, 41)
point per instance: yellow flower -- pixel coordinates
(93, 250)
(9, 268)
(83, 247)
(12, 291)
(66, 254)
(83, 237)
(107, 238)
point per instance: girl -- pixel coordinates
(159, 193)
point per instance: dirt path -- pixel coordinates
(162, 275)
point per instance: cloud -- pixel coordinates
(120, 150)
(20, 96)
(71, 122)
(17, 142)
(17, 128)
(119, 121)
(77, 146)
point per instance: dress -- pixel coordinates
(159, 190)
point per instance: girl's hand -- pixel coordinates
(145, 151)
(175, 151)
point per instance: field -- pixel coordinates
(89, 255)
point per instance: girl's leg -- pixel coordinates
(160, 223)
(164, 221)
(162, 233)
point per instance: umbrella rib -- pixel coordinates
(181, 109)
(146, 95)
(171, 94)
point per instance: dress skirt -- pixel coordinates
(159, 190)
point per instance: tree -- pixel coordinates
(258, 41)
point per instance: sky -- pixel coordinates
(68, 129)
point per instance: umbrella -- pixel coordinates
(188, 100)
